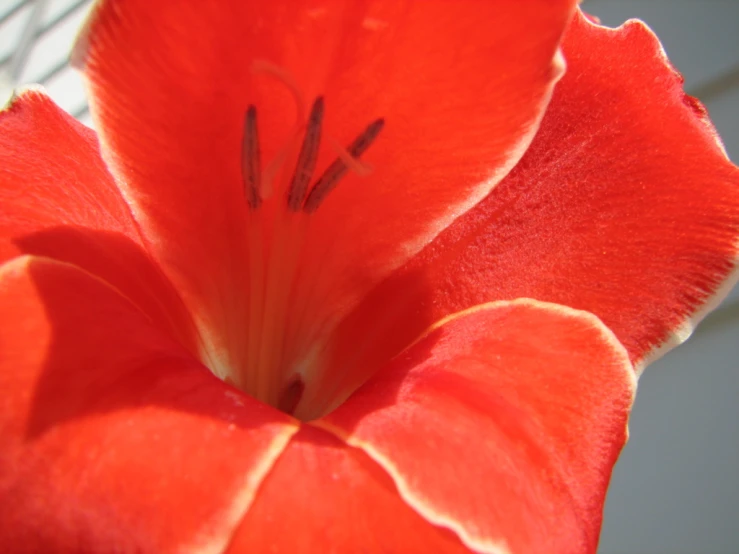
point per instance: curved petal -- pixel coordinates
(51, 174)
(461, 87)
(113, 438)
(324, 497)
(503, 423)
(625, 206)
(59, 201)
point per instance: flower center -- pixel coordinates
(277, 365)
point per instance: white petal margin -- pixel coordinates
(243, 499)
(415, 499)
(24, 90)
(684, 329)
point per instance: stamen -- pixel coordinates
(250, 164)
(307, 159)
(276, 337)
(330, 178)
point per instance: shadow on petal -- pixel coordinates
(125, 266)
(104, 330)
(113, 436)
(376, 331)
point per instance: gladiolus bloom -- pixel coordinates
(344, 276)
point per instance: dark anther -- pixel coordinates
(291, 395)
(330, 178)
(307, 159)
(250, 164)
(306, 165)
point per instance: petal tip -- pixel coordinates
(80, 49)
(696, 107)
(26, 93)
(7, 94)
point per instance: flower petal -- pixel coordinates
(59, 201)
(625, 206)
(51, 174)
(113, 438)
(503, 424)
(462, 87)
(324, 497)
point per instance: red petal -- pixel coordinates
(624, 205)
(51, 174)
(113, 438)
(324, 497)
(503, 424)
(461, 86)
(59, 201)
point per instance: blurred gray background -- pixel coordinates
(675, 489)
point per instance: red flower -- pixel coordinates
(434, 412)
